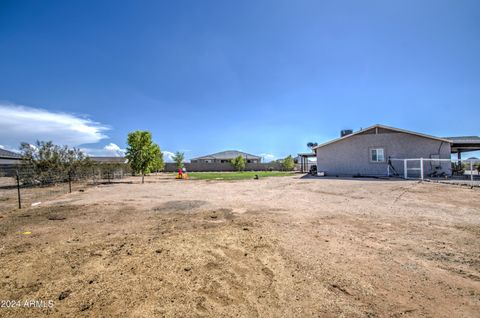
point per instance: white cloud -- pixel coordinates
(114, 149)
(168, 156)
(110, 150)
(27, 124)
(267, 157)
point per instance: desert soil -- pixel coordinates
(274, 247)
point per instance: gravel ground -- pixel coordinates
(274, 247)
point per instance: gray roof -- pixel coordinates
(307, 154)
(464, 139)
(384, 127)
(109, 159)
(227, 155)
(6, 154)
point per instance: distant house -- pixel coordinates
(367, 151)
(9, 157)
(9, 162)
(111, 167)
(226, 156)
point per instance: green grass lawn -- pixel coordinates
(236, 175)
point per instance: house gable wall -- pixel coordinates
(351, 156)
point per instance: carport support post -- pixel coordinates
(421, 168)
(405, 168)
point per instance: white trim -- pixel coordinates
(384, 127)
(376, 148)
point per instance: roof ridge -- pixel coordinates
(225, 152)
(384, 127)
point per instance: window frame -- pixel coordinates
(370, 153)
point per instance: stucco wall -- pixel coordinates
(351, 156)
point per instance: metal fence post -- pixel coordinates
(405, 168)
(18, 191)
(421, 168)
(69, 182)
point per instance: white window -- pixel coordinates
(377, 155)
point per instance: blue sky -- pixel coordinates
(265, 77)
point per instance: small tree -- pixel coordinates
(178, 158)
(142, 153)
(238, 163)
(158, 164)
(288, 163)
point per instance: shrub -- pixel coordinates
(46, 162)
(288, 163)
(238, 163)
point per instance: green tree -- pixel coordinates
(238, 163)
(288, 163)
(142, 153)
(178, 158)
(158, 164)
(46, 162)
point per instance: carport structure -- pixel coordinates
(464, 144)
(304, 162)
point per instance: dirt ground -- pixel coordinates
(274, 247)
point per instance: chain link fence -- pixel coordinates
(23, 185)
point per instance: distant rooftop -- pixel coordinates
(6, 154)
(229, 154)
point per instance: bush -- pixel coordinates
(238, 163)
(45, 163)
(288, 163)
